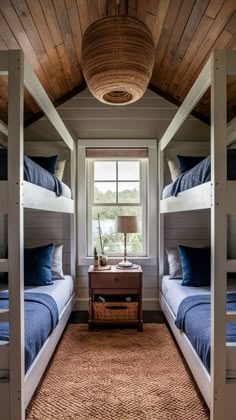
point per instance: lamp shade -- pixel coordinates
(118, 55)
(126, 224)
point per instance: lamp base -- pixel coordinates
(125, 264)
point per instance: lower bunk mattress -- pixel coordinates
(43, 308)
(192, 311)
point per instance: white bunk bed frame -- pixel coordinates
(15, 195)
(219, 195)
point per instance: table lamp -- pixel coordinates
(126, 224)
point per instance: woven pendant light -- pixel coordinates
(118, 56)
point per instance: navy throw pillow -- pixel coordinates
(48, 163)
(37, 265)
(196, 266)
(188, 162)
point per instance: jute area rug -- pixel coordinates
(117, 374)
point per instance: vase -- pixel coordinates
(103, 260)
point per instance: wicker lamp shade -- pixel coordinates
(118, 56)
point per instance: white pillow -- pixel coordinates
(60, 167)
(56, 268)
(174, 169)
(175, 268)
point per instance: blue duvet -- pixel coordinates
(41, 317)
(32, 173)
(194, 318)
(202, 173)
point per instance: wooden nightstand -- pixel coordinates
(115, 297)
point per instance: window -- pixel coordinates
(116, 187)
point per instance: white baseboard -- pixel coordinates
(148, 305)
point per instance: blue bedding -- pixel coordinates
(37, 175)
(32, 173)
(194, 318)
(41, 317)
(202, 173)
(197, 175)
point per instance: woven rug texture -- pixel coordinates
(117, 374)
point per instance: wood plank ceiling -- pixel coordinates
(50, 33)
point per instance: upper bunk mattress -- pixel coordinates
(37, 175)
(200, 174)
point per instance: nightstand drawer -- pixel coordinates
(114, 280)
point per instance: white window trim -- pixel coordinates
(143, 199)
(152, 195)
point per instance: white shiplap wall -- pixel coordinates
(87, 118)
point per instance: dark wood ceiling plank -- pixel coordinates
(7, 35)
(193, 22)
(16, 27)
(150, 21)
(83, 14)
(219, 44)
(231, 25)
(123, 7)
(73, 15)
(111, 7)
(192, 49)
(31, 31)
(180, 24)
(132, 3)
(93, 10)
(102, 8)
(52, 21)
(152, 7)
(172, 14)
(63, 57)
(132, 7)
(141, 10)
(187, 35)
(64, 23)
(46, 37)
(218, 25)
(214, 8)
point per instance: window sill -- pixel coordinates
(113, 261)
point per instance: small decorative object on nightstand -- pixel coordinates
(115, 297)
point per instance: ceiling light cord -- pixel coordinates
(117, 7)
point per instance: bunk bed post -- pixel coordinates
(73, 247)
(161, 215)
(218, 235)
(16, 233)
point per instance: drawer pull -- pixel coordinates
(116, 280)
(116, 307)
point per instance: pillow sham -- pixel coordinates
(175, 269)
(48, 163)
(37, 265)
(186, 163)
(196, 266)
(60, 167)
(57, 269)
(174, 169)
